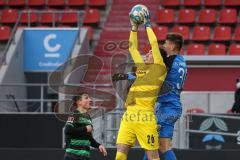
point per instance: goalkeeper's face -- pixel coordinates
(149, 57)
(84, 102)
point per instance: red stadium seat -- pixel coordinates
(231, 3)
(48, 16)
(36, 3)
(165, 16)
(236, 35)
(9, 16)
(186, 16)
(92, 16)
(195, 49)
(195, 110)
(212, 3)
(234, 49)
(97, 3)
(90, 32)
(161, 32)
(184, 30)
(201, 33)
(216, 49)
(69, 17)
(192, 3)
(28, 16)
(222, 33)
(207, 16)
(56, 3)
(75, 3)
(170, 3)
(5, 33)
(16, 3)
(228, 16)
(2, 3)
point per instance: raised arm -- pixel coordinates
(133, 48)
(133, 44)
(154, 45)
(157, 57)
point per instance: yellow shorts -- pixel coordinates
(141, 125)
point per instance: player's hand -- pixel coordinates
(119, 76)
(89, 128)
(103, 150)
(146, 16)
(134, 26)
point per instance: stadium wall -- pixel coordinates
(135, 154)
(13, 72)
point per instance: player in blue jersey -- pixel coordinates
(168, 108)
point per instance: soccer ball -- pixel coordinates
(137, 12)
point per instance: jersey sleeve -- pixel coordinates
(154, 45)
(133, 48)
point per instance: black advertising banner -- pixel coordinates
(211, 123)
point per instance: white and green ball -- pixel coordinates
(137, 12)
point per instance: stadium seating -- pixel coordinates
(165, 16)
(29, 16)
(9, 16)
(183, 30)
(228, 16)
(186, 16)
(201, 33)
(16, 3)
(5, 32)
(75, 3)
(48, 17)
(56, 3)
(231, 3)
(236, 35)
(170, 3)
(70, 16)
(234, 49)
(161, 32)
(222, 33)
(207, 16)
(192, 3)
(36, 3)
(2, 3)
(92, 16)
(216, 49)
(97, 3)
(195, 49)
(212, 3)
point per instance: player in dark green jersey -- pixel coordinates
(78, 131)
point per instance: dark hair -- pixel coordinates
(176, 38)
(78, 97)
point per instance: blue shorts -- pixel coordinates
(167, 113)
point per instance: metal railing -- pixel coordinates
(43, 89)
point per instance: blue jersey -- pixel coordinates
(173, 84)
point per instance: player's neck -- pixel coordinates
(82, 110)
(171, 53)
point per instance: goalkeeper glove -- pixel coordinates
(134, 26)
(119, 76)
(146, 15)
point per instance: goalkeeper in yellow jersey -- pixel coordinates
(139, 122)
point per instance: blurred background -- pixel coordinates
(51, 50)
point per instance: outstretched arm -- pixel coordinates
(133, 44)
(133, 48)
(152, 39)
